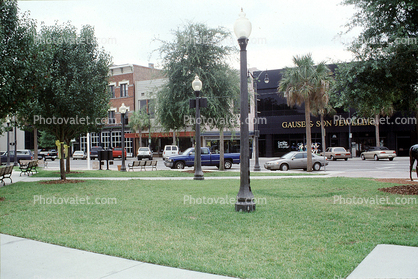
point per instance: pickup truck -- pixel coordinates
(207, 159)
(45, 154)
(117, 152)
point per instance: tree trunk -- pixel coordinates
(221, 149)
(174, 138)
(140, 138)
(68, 170)
(62, 168)
(308, 135)
(323, 134)
(377, 130)
(35, 143)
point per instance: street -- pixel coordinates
(355, 167)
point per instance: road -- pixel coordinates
(355, 167)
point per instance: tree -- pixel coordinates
(308, 84)
(197, 50)
(139, 121)
(73, 97)
(386, 57)
(46, 140)
(17, 73)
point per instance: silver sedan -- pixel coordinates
(296, 160)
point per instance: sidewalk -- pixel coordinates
(28, 259)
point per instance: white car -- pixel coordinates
(79, 155)
(144, 152)
(170, 150)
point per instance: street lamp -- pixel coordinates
(15, 141)
(245, 198)
(198, 174)
(123, 110)
(8, 140)
(256, 131)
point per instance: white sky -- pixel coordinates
(280, 29)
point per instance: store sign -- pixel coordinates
(327, 123)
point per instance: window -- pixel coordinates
(112, 91)
(111, 117)
(147, 106)
(123, 90)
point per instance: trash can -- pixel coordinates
(119, 167)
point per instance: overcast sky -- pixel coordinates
(281, 29)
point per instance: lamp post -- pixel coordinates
(198, 174)
(8, 140)
(245, 198)
(123, 110)
(15, 141)
(256, 131)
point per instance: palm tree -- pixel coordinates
(138, 121)
(309, 84)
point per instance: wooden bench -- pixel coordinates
(6, 172)
(28, 166)
(142, 165)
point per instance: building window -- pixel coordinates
(106, 140)
(123, 90)
(112, 91)
(116, 138)
(148, 107)
(111, 117)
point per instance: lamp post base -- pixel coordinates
(123, 168)
(198, 176)
(257, 168)
(245, 206)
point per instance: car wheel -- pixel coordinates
(53, 159)
(362, 157)
(284, 167)
(150, 158)
(346, 159)
(228, 164)
(316, 166)
(179, 165)
(332, 158)
(376, 158)
(139, 158)
(390, 159)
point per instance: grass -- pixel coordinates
(297, 230)
(161, 173)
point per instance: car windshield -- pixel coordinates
(143, 149)
(340, 149)
(288, 155)
(188, 150)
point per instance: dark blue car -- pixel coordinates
(207, 159)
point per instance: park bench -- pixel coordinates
(28, 166)
(6, 172)
(142, 165)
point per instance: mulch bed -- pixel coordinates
(66, 181)
(407, 188)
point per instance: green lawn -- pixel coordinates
(297, 230)
(162, 173)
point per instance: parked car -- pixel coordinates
(45, 154)
(144, 152)
(334, 153)
(21, 155)
(94, 152)
(117, 152)
(79, 155)
(377, 153)
(296, 160)
(207, 159)
(170, 150)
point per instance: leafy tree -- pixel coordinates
(139, 121)
(384, 76)
(17, 67)
(73, 98)
(308, 84)
(197, 50)
(47, 140)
